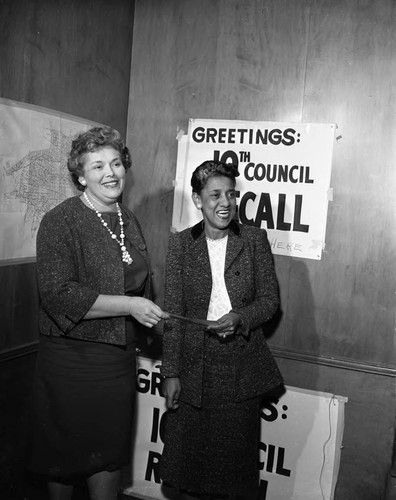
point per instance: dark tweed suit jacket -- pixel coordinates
(76, 261)
(253, 290)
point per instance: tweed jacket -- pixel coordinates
(253, 291)
(76, 261)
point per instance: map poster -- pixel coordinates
(34, 144)
(284, 181)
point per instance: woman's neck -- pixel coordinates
(216, 235)
(100, 207)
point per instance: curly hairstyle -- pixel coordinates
(212, 168)
(92, 140)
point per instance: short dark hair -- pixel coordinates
(92, 140)
(212, 168)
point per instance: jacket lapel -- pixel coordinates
(199, 252)
(234, 247)
(132, 233)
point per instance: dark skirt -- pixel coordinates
(214, 449)
(82, 408)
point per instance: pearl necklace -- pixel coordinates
(126, 257)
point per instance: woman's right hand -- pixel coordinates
(145, 311)
(171, 388)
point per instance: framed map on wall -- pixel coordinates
(34, 144)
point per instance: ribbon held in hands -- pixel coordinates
(204, 322)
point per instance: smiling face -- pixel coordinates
(217, 200)
(103, 176)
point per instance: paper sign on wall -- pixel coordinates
(300, 442)
(284, 180)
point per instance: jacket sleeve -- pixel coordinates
(173, 303)
(62, 296)
(266, 297)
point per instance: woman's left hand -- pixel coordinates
(226, 325)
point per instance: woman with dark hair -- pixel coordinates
(94, 284)
(222, 273)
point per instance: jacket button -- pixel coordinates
(142, 246)
(237, 273)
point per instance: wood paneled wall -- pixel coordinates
(74, 57)
(328, 61)
(304, 61)
(71, 56)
